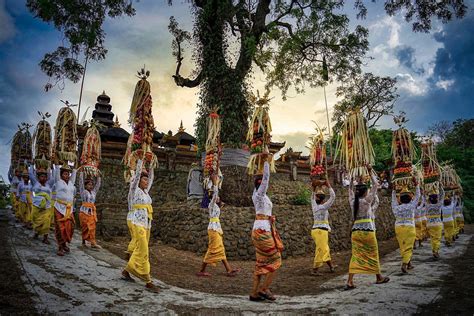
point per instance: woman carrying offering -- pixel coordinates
(365, 254)
(139, 220)
(215, 249)
(65, 178)
(88, 212)
(321, 229)
(405, 224)
(41, 208)
(435, 224)
(448, 221)
(265, 238)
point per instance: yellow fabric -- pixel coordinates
(419, 230)
(321, 222)
(460, 223)
(214, 220)
(148, 208)
(366, 220)
(68, 214)
(215, 248)
(139, 262)
(24, 212)
(41, 219)
(92, 207)
(406, 239)
(456, 228)
(424, 229)
(365, 253)
(448, 231)
(435, 233)
(322, 252)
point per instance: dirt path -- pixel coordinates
(179, 268)
(14, 296)
(87, 282)
(457, 293)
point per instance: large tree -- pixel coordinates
(286, 39)
(373, 95)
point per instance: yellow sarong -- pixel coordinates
(322, 252)
(419, 230)
(365, 253)
(215, 248)
(424, 229)
(448, 231)
(24, 212)
(41, 219)
(435, 233)
(406, 238)
(139, 262)
(460, 224)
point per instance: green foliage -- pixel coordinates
(374, 95)
(81, 22)
(458, 148)
(382, 142)
(303, 197)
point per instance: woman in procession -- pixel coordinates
(65, 177)
(321, 228)
(14, 182)
(139, 221)
(405, 230)
(448, 220)
(215, 249)
(24, 194)
(265, 238)
(41, 210)
(419, 215)
(434, 223)
(365, 254)
(88, 211)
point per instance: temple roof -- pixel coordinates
(114, 133)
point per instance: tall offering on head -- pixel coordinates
(450, 180)
(259, 134)
(355, 150)
(403, 154)
(21, 150)
(213, 149)
(91, 151)
(317, 160)
(431, 168)
(42, 142)
(140, 141)
(65, 138)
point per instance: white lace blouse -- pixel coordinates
(37, 198)
(23, 191)
(88, 196)
(321, 211)
(262, 202)
(64, 191)
(405, 213)
(433, 212)
(214, 212)
(419, 211)
(365, 215)
(136, 195)
(448, 211)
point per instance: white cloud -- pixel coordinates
(393, 26)
(411, 85)
(7, 27)
(445, 84)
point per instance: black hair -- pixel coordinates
(405, 198)
(433, 198)
(360, 190)
(257, 181)
(447, 202)
(320, 197)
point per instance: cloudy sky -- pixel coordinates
(434, 71)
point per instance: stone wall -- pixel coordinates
(183, 225)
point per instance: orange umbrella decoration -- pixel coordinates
(141, 120)
(91, 151)
(259, 134)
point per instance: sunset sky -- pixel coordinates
(435, 72)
